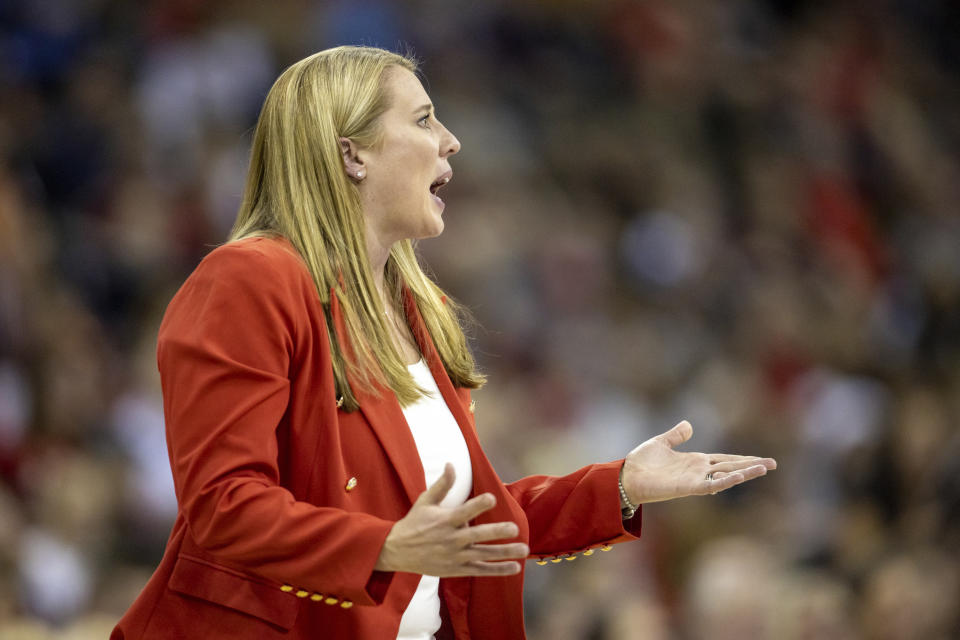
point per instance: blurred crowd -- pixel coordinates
(744, 213)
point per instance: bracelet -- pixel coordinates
(627, 508)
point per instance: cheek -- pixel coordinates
(402, 177)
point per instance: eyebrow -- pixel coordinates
(424, 107)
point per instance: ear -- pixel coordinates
(351, 159)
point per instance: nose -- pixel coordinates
(449, 144)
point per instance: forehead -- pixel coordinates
(404, 89)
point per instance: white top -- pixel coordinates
(439, 441)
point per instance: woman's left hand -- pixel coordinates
(654, 471)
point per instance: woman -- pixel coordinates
(316, 383)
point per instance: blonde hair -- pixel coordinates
(297, 188)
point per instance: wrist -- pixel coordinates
(382, 563)
(385, 559)
(627, 508)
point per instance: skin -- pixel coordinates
(394, 182)
(394, 179)
(655, 471)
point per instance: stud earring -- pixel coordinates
(359, 174)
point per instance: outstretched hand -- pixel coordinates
(437, 541)
(654, 471)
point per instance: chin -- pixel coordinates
(433, 226)
(434, 231)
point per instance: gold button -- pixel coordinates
(331, 600)
(302, 594)
(351, 484)
(339, 402)
(588, 552)
(316, 597)
(473, 406)
(556, 560)
(346, 604)
(541, 562)
(606, 547)
(286, 588)
(569, 558)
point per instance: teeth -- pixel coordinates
(440, 182)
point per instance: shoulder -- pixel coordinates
(244, 303)
(250, 278)
(272, 260)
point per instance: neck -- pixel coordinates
(378, 254)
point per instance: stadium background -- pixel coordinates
(744, 213)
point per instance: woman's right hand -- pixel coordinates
(436, 541)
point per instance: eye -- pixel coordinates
(424, 121)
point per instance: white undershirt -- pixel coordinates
(439, 441)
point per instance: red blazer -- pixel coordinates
(285, 499)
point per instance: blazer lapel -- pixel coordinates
(385, 417)
(482, 469)
(455, 591)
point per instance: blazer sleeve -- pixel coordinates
(572, 513)
(225, 351)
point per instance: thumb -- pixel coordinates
(438, 490)
(678, 435)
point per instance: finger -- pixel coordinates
(716, 458)
(488, 532)
(722, 481)
(753, 472)
(439, 489)
(726, 467)
(513, 551)
(719, 483)
(748, 473)
(480, 568)
(472, 508)
(678, 435)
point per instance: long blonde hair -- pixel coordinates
(297, 188)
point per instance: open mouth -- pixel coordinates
(439, 183)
